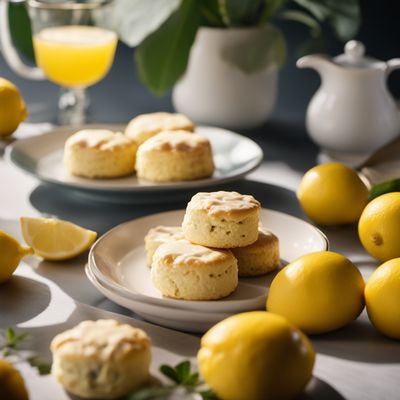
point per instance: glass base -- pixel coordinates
(72, 105)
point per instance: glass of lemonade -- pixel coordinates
(70, 50)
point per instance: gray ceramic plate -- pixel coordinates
(42, 156)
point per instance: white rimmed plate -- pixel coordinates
(117, 262)
(42, 156)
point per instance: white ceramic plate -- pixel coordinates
(234, 156)
(117, 264)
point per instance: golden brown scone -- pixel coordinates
(175, 156)
(101, 359)
(260, 257)
(99, 153)
(158, 236)
(222, 219)
(145, 126)
(184, 270)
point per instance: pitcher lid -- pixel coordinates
(354, 57)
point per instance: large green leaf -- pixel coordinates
(210, 13)
(303, 18)
(343, 15)
(163, 56)
(20, 28)
(134, 20)
(266, 47)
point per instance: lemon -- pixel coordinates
(256, 356)
(11, 253)
(54, 239)
(332, 194)
(12, 386)
(12, 108)
(379, 227)
(382, 298)
(318, 292)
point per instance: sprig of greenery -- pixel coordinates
(10, 346)
(186, 384)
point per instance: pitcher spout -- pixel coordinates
(320, 62)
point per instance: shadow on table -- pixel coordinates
(102, 213)
(21, 300)
(318, 389)
(359, 341)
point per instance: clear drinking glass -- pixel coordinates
(69, 50)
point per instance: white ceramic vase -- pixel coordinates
(213, 91)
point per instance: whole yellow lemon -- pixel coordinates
(12, 386)
(332, 194)
(256, 356)
(379, 227)
(318, 292)
(382, 298)
(12, 108)
(11, 253)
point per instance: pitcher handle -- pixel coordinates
(10, 54)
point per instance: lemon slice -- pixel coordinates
(53, 239)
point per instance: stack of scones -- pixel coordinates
(161, 147)
(220, 240)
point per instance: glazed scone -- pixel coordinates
(188, 271)
(175, 156)
(101, 359)
(222, 219)
(260, 257)
(145, 126)
(99, 153)
(158, 236)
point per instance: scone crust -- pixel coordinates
(258, 258)
(95, 359)
(184, 270)
(99, 153)
(222, 219)
(145, 126)
(175, 156)
(158, 236)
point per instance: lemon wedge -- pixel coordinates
(54, 239)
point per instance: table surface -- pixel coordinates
(353, 363)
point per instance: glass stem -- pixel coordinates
(72, 106)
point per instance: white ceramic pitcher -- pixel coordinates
(352, 113)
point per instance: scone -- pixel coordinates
(158, 236)
(102, 359)
(99, 153)
(184, 270)
(260, 257)
(175, 156)
(145, 126)
(222, 219)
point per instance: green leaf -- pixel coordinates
(192, 380)
(384, 187)
(210, 13)
(343, 15)
(163, 56)
(183, 371)
(134, 20)
(271, 7)
(170, 373)
(208, 395)
(304, 18)
(264, 48)
(42, 365)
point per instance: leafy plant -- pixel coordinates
(185, 385)
(164, 31)
(10, 347)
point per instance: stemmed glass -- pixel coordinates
(69, 49)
